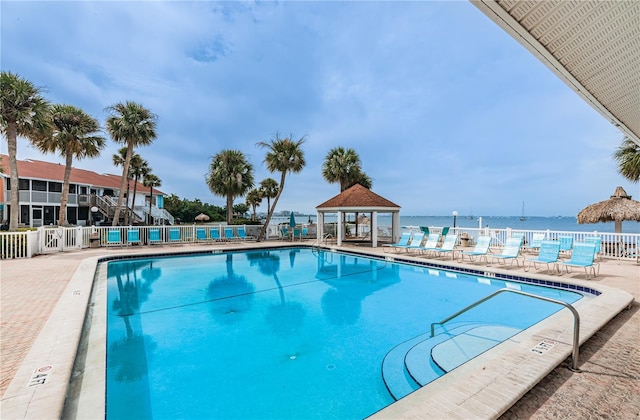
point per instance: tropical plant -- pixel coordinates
(283, 155)
(240, 209)
(131, 124)
(343, 166)
(269, 190)
(151, 181)
(230, 175)
(24, 113)
(254, 199)
(74, 134)
(628, 158)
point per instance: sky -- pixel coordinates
(446, 110)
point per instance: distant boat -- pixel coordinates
(523, 218)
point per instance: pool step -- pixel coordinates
(395, 375)
(422, 359)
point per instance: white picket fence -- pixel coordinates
(46, 240)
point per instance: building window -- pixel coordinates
(55, 187)
(39, 186)
(23, 185)
(72, 188)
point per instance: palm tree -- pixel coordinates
(150, 180)
(133, 125)
(628, 158)
(138, 169)
(74, 134)
(254, 198)
(283, 155)
(230, 175)
(23, 112)
(344, 167)
(269, 189)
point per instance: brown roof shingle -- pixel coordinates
(358, 196)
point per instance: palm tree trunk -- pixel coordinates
(133, 201)
(229, 209)
(263, 231)
(123, 184)
(64, 199)
(14, 199)
(150, 201)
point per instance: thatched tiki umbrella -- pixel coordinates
(616, 209)
(202, 218)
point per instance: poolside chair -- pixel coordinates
(297, 233)
(510, 251)
(448, 245)
(201, 235)
(284, 233)
(566, 243)
(114, 237)
(133, 236)
(214, 234)
(536, 241)
(425, 229)
(154, 236)
(404, 241)
(481, 250)
(174, 235)
(415, 243)
(229, 235)
(305, 232)
(242, 234)
(583, 255)
(549, 253)
(430, 244)
(595, 240)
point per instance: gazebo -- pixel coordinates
(359, 200)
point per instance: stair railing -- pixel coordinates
(576, 319)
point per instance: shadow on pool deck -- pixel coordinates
(608, 387)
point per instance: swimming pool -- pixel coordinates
(287, 333)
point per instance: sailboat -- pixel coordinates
(522, 218)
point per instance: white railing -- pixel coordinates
(624, 246)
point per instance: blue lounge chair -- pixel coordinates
(448, 245)
(404, 241)
(174, 235)
(415, 243)
(214, 234)
(228, 234)
(481, 250)
(305, 232)
(297, 233)
(133, 236)
(114, 237)
(154, 236)
(284, 233)
(566, 243)
(583, 255)
(536, 241)
(201, 235)
(242, 234)
(549, 253)
(430, 244)
(595, 240)
(510, 251)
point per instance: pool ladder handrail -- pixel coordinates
(324, 238)
(576, 319)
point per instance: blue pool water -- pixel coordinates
(287, 333)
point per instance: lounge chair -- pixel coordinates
(404, 241)
(284, 233)
(549, 253)
(242, 234)
(416, 242)
(174, 235)
(536, 241)
(114, 237)
(201, 235)
(154, 236)
(425, 229)
(583, 255)
(431, 243)
(566, 243)
(214, 234)
(305, 233)
(229, 235)
(481, 250)
(448, 245)
(595, 240)
(510, 251)
(297, 233)
(133, 236)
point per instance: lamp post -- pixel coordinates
(455, 215)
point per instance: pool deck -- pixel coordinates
(52, 289)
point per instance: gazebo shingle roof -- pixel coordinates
(357, 196)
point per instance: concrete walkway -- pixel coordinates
(608, 387)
